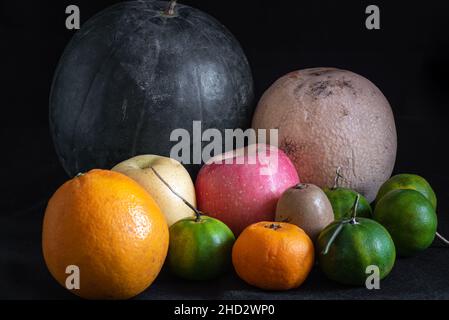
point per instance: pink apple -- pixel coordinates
(242, 187)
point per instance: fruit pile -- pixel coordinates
(119, 226)
(270, 212)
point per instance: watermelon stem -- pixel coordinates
(198, 213)
(171, 8)
(439, 236)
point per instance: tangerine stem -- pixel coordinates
(340, 226)
(439, 236)
(338, 176)
(198, 213)
(333, 237)
(273, 226)
(354, 210)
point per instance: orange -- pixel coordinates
(109, 227)
(273, 255)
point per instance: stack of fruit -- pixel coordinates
(135, 89)
(119, 226)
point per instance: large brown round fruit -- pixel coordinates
(329, 118)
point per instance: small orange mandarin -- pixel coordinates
(273, 255)
(111, 229)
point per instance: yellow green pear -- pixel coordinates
(139, 169)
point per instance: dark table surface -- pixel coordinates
(29, 178)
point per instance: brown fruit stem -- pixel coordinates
(198, 213)
(301, 186)
(171, 8)
(334, 236)
(354, 209)
(273, 226)
(341, 224)
(338, 176)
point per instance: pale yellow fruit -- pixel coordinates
(173, 172)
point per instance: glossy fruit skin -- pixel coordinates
(132, 75)
(408, 181)
(273, 258)
(357, 246)
(110, 227)
(244, 191)
(139, 169)
(342, 201)
(410, 219)
(200, 250)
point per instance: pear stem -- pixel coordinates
(198, 213)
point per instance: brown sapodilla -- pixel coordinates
(306, 206)
(329, 118)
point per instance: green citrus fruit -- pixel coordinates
(408, 181)
(358, 243)
(409, 217)
(200, 249)
(342, 200)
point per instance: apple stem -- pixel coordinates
(439, 236)
(171, 8)
(198, 213)
(338, 176)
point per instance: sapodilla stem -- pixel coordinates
(197, 212)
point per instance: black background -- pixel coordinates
(408, 59)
